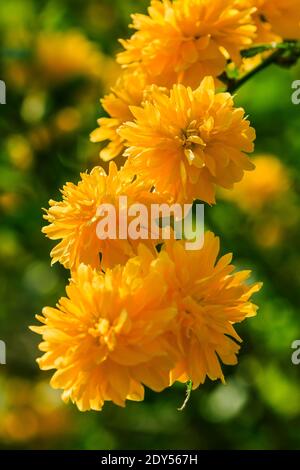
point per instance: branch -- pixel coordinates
(234, 85)
(285, 54)
(287, 46)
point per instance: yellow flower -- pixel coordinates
(157, 319)
(185, 40)
(267, 183)
(106, 338)
(264, 32)
(10, 202)
(283, 15)
(31, 411)
(210, 300)
(65, 55)
(129, 91)
(189, 142)
(74, 219)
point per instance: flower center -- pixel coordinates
(193, 145)
(107, 333)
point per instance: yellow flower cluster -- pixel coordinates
(137, 313)
(156, 319)
(183, 41)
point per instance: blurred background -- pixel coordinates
(56, 58)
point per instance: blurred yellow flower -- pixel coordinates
(283, 15)
(9, 202)
(68, 119)
(129, 91)
(269, 232)
(268, 182)
(264, 32)
(64, 55)
(183, 41)
(30, 411)
(20, 152)
(189, 142)
(74, 219)
(210, 299)
(106, 338)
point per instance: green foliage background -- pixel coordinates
(259, 408)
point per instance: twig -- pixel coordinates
(236, 84)
(189, 389)
(285, 54)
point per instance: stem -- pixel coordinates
(285, 54)
(235, 85)
(189, 389)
